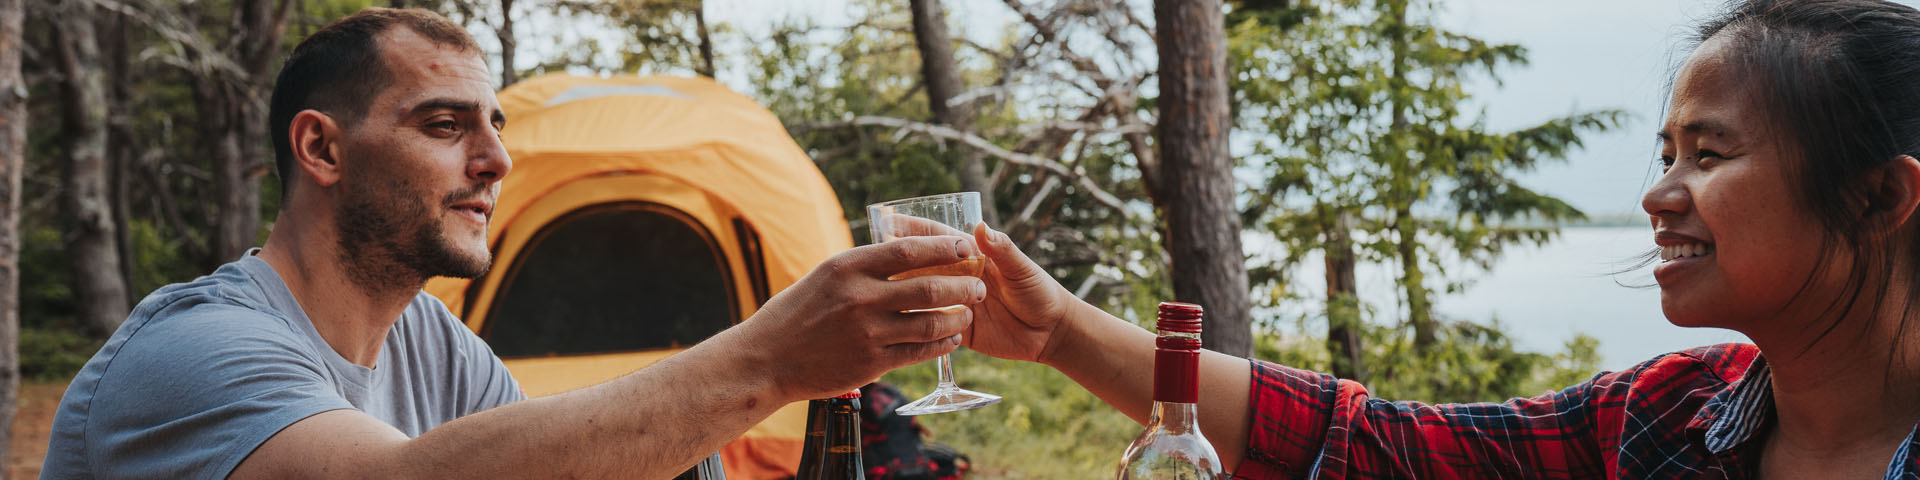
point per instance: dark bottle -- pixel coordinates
(708, 469)
(842, 458)
(815, 447)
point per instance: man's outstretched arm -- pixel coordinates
(836, 329)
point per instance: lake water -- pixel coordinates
(1544, 295)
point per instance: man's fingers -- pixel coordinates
(904, 354)
(921, 293)
(898, 256)
(927, 326)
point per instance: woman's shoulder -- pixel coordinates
(1722, 364)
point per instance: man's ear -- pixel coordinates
(316, 146)
(1894, 190)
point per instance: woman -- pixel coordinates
(1785, 211)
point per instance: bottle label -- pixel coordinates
(1176, 376)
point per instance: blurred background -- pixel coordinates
(1437, 198)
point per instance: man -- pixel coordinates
(317, 355)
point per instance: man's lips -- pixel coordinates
(477, 210)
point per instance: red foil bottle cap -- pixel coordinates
(853, 394)
(1180, 317)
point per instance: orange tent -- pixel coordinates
(643, 215)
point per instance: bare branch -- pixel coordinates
(195, 54)
(983, 146)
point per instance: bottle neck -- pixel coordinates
(1176, 369)
(1175, 417)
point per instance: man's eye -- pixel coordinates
(445, 125)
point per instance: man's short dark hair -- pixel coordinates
(338, 71)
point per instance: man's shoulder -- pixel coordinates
(229, 290)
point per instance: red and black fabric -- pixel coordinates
(893, 446)
(1697, 414)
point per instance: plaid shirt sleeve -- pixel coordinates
(1305, 422)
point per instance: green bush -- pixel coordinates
(52, 354)
(1045, 426)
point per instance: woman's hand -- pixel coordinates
(1024, 307)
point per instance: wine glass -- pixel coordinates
(949, 214)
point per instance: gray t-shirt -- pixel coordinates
(204, 372)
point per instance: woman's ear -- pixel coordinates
(1894, 192)
(316, 146)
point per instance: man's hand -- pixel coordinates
(842, 325)
(1024, 305)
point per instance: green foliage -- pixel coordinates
(1045, 426)
(46, 292)
(53, 354)
(1470, 363)
(1355, 114)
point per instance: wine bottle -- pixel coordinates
(842, 459)
(1172, 446)
(815, 447)
(709, 469)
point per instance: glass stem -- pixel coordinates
(946, 374)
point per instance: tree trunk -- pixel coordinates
(509, 76)
(235, 127)
(706, 43)
(942, 78)
(1343, 298)
(13, 149)
(91, 249)
(113, 40)
(1203, 226)
(1404, 192)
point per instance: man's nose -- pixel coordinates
(489, 161)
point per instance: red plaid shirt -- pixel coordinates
(1691, 414)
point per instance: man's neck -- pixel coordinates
(352, 316)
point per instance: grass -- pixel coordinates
(1045, 427)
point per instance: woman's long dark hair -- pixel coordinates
(1840, 80)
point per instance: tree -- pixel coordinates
(1203, 226)
(1369, 143)
(706, 42)
(230, 82)
(508, 44)
(99, 287)
(942, 79)
(13, 140)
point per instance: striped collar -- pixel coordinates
(1738, 413)
(1735, 415)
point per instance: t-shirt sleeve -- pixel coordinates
(192, 395)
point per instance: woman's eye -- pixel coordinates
(1665, 162)
(1707, 158)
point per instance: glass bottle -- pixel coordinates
(708, 469)
(842, 459)
(816, 445)
(1172, 446)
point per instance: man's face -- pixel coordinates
(421, 170)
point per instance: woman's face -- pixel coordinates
(1736, 243)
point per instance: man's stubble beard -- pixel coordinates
(390, 239)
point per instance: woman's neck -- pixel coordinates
(1843, 400)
